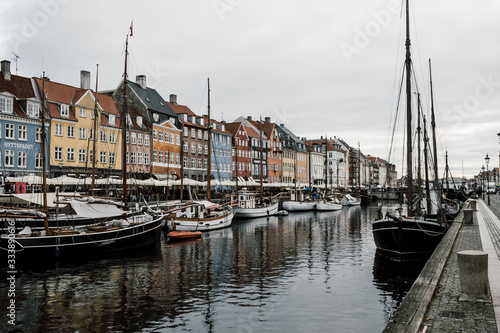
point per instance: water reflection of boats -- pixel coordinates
(394, 279)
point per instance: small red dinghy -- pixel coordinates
(183, 234)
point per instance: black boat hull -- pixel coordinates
(407, 238)
(84, 245)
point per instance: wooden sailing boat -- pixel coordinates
(410, 235)
(202, 215)
(126, 233)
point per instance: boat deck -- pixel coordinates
(432, 304)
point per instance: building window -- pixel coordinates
(58, 153)
(185, 162)
(33, 110)
(206, 150)
(199, 148)
(160, 136)
(71, 131)
(177, 158)
(200, 134)
(103, 136)
(64, 110)
(128, 138)
(6, 104)
(155, 156)
(205, 135)
(91, 134)
(9, 158)
(9, 131)
(193, 133)
(82, 155)
(193, 148)
(193, 163)
(178, 139)
(172, 138)
(112, 159)
(132, 157)
(146, 158)
(199, 163)
(186, 147)
(83, 113)
(103, 157)
(139, 158)
(186, 131)
(133, 139)
(91, 114)
(70, 153)
(172, 158)
(166, 137)
(21, 159)
(22, 132)
(112, 137)
(155, 135)
(38, 135)
(58, 130)
(139, 139)
(146, 140)
(38, 161)
(160, 156)
(91, 156)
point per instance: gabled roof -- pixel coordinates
(20, 88)
(152, 99)
(182, 109)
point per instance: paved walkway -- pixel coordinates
(446, 313)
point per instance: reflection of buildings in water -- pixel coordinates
(394, 279)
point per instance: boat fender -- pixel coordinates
(25, 232)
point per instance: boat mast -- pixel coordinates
(359, 167)
(182, 160)
(427, 188)
(419, 170)
(409, 176)
(236, 160)
(326, 165)
(261, 156)
(433, 126)
(94, 154)
(124, 129)
(209, 164)
(44, 167)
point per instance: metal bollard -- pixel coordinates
(473, 205)
(468, 216)
(473, 273)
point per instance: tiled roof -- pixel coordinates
(152, 99)
(20, 87)
(182, 109)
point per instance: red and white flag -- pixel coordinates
(131, 28)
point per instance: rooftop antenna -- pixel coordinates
(15, 59)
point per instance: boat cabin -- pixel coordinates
(246, 199)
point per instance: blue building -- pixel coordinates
(221, 159)
(20, 125)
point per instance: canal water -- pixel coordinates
(305, 272)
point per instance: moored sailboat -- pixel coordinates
(412, 234)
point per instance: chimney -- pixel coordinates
(6, 69)
(249, 118)
(141, 81)
(267, 120)
(173, 99)
(282, 125)
(85, 80)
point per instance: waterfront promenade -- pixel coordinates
(432, 304)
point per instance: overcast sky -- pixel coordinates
(318, 66)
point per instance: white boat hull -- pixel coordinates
(327, 206)
(297, 206)
(256, 212)
(203, 224)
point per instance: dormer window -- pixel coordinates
(139, 121)
(64, 110)
(156, 117)
(6, 104)
(33, 110)
(112, 119)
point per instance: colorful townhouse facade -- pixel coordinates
(275, 152)
(74, 128)
(166, 150)
(20, 125)
(241, 155)
(221, 153)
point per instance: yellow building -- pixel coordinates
(72, 130)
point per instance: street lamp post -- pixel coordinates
(487, 161)
(482, 181)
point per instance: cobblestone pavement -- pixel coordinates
(446, 313)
